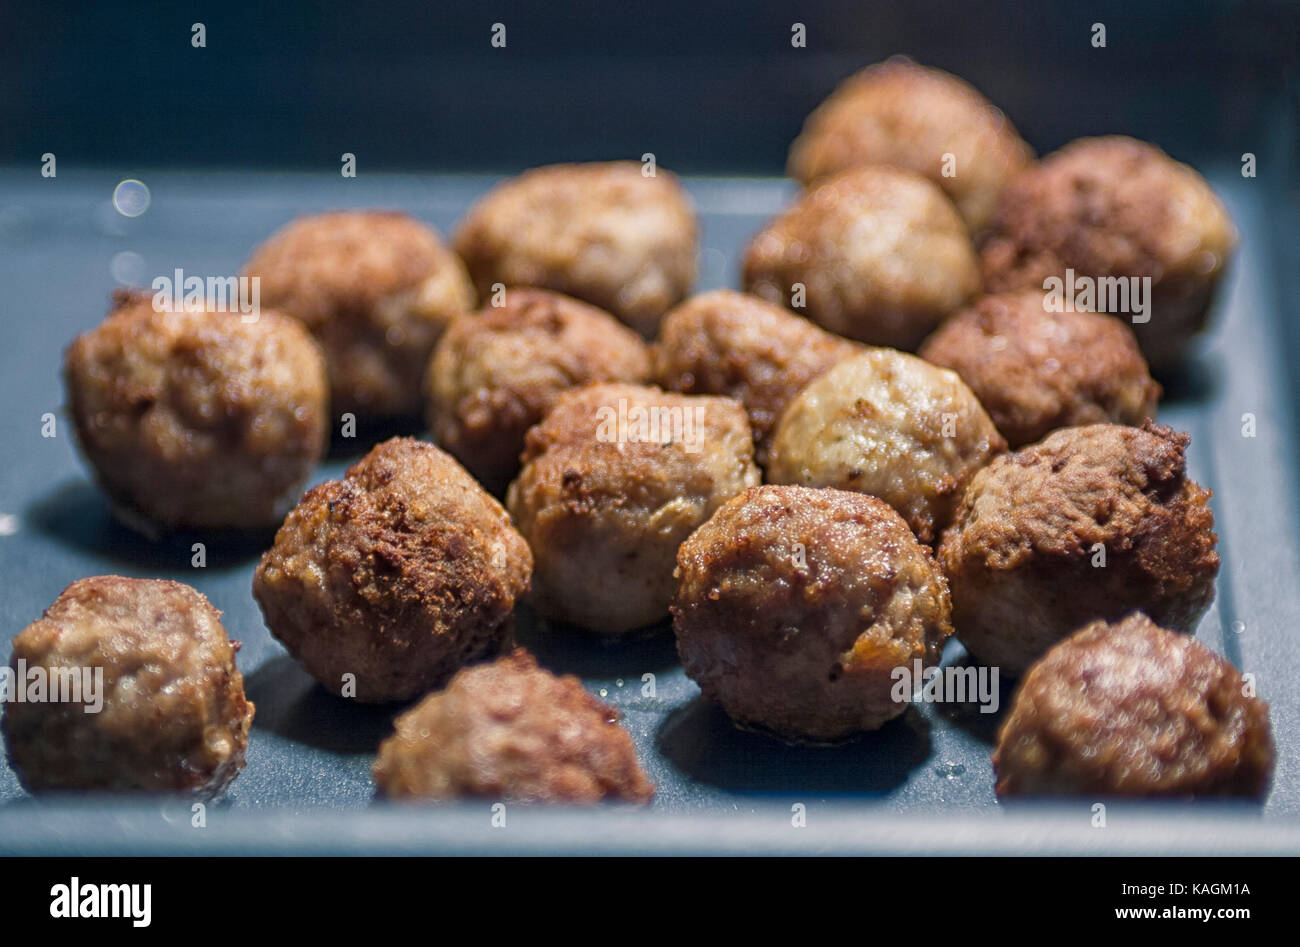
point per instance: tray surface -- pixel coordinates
(922, 779)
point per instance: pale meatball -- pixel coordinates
(1091, 523)
(733, 344)
(874, 254)
(1116, 207)
(382, 584)
(890, 425)
(1133, 709)
(795, 607)
(511, 730)
(922, 120)
(157, 704)
(376, 288)
(614, 479)
(496, 373)
(603, 232)
(1035, 371)
(196, 419)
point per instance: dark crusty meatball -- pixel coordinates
(603, 232)
(511, 730)
(914, 117)
(173, 716)
(614, 479)
(1035, 370)
(397, 574)
(891, 425)
(1116, 207)
(1132, 709)
(795, 605)
(496, 373)
(197, 419)
(733, 344)
(1091, 523)
(874, 254)
(376, 288)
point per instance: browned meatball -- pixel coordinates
(195, 418)
(160, 704)
(1090, 523)
(875, 254)
(385, 582)
(891, 425)
(614, 479)
(795, 606)
(919, 119)
(376, 288)
(1035, 371)
(1132, 709)
(1116, 207)
(496, 373)
(511, 730)
(733, 344)
(603, 232)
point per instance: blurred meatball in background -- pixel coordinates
(602, 232)
(874, 254)
(1116, 207)
(921, 120)
(377, 289)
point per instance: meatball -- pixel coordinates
(874, 254)
(197, 419)
(496, 374)
(922, 120)
(1132, 709)
(1035, 371)
(384, 583)
(1091, 523)
(795, 606)
(377, 288)
(511, 730)
(1112, 207)
(728, 343)
(142, 692)
(890, 425)
(603, 232)
(614, 479)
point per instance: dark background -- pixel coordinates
(708, 87)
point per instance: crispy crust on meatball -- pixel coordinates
(733, 344)
(496, 373)
(377, 288)
(1035, 371)
(910, 116)
(1116, 207)
(1023, 555)
(795, 605)
(890, 425)
(605, 500)
(195, 418)
(1132, 709)
(397, 574)
(881, 254)
(602, 232)
(174, 715)
(511, 730)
